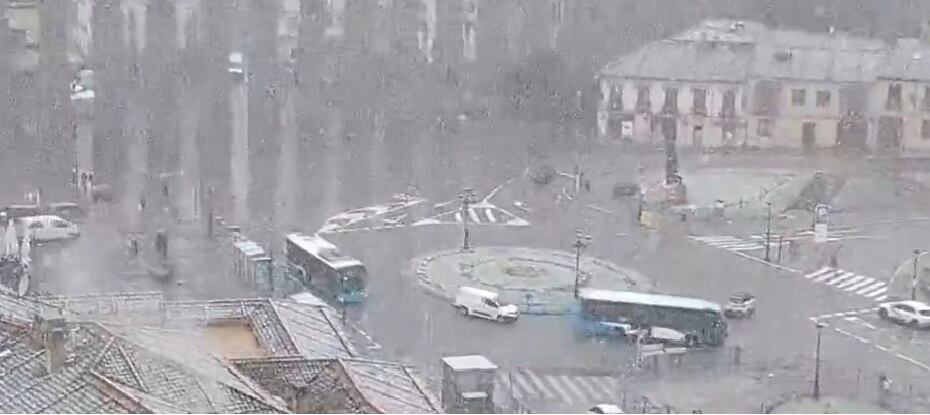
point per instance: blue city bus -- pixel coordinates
(319, 264)
(609, 313)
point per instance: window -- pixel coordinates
(490, 303)
(671, 101)
(927, 98)
(823, 99)
(616, 98)
(642, 99)
(764, 128)
(558, 10)
(699, 101)
(35, 225)
(729, 103)
(798, 97)
(925, 130)
(60, 224)
(894, 97)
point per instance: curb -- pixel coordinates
(442, 291)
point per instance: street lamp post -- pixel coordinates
(768, 232)
(581, 242)
(819, 326)
(467, 197)
(342, 301)
(917, 253)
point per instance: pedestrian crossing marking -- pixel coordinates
(860, 284)
(490, 215)
(458, 216)
(576, 390)
(870, 288)
(850, 282)
(842, 277)
(473, 215)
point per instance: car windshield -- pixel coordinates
(925, 312)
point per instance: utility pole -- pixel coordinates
(581, 242)
(768, 232)
(917, 253)
(819, 326)
(342, 299)
(467, 197)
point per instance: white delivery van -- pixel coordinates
(46, 228)
(475, 302)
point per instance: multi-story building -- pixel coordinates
(811, 91)
(733, 84)
(694, 83)
(900, 98)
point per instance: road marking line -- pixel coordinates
(852, 281)
(844, 332)
(871, 287)
(540, 387)
(832, 274)
(709, 239)
(559, 390)
(524, 384)
(818, 272)
(877, 292)
(882, 298)
(882, 348)
(490, 214)
(595, 389)
(458, 217)
(473, 215)
(912, 360)
(573, 387)
(843, 277)
(860, 284)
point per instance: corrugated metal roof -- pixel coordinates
(313, 330)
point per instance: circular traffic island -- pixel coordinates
(539, 281)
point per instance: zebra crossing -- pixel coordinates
(833, 235)
(850, 282)
(733, 243)
(478, 214)
(580, 391)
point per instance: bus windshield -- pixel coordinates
(355, 277)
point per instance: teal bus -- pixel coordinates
(609, 313)
(319, 264)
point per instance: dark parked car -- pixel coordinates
(12, 212)
(626, 190)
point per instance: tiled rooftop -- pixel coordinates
(362, 386)
(140, 353)
(108, 366)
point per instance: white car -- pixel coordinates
(475, 302)
(46, 228)
(914, 314)
(605, 408)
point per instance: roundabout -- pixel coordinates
(539, 281)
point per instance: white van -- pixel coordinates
(475, 302)
(46, 228)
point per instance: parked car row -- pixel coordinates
(68, 210)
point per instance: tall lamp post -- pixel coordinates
(819, 326)
(768, 231)
(581, 242)
(917, 253)
(467, 197)
(342, 298)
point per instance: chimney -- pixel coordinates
(55, 351)
(49, 334)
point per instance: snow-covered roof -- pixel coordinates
(470, 362)
(659, 300)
